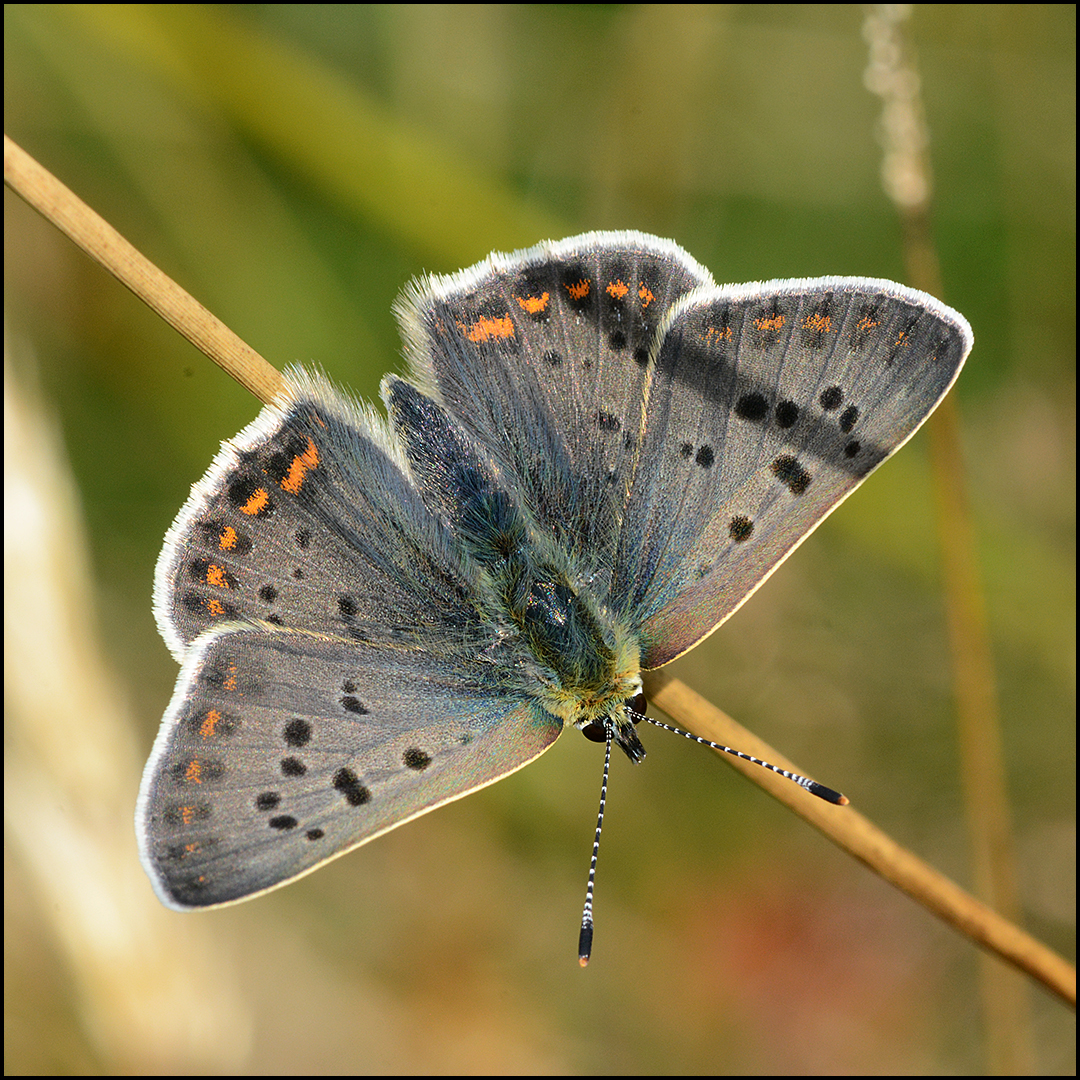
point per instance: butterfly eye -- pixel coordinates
(595, 732)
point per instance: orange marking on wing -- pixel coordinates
(724, 333)
(775, 323)
(299, 466)
(645, 295)
(579, 289)
(187, 814)
(214, 608)
(227, 539)
(534, 304)
(867, 322)
(817, 321)
(617, 289)
(485, 329)
(209, 724)
(229, 682)
(257, 502)
(216, 576)
(193, 773)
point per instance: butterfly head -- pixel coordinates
(620, 726)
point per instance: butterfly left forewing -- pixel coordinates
(767, 406)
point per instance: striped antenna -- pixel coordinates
(607, 730)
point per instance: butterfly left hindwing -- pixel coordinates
(542, 357)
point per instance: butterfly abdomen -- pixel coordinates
(592, 664)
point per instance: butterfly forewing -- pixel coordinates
(281, 750)
(767, 406)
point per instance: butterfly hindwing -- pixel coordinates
(543, 359)
(343, 667)
(307, 520)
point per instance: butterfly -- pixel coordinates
(596, 456)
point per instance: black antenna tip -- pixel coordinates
(827, 793)
(584, 947)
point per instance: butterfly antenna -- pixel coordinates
(585, 937)
(820, 790)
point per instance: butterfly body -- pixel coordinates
(576, 659)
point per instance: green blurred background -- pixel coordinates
(292, 167)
